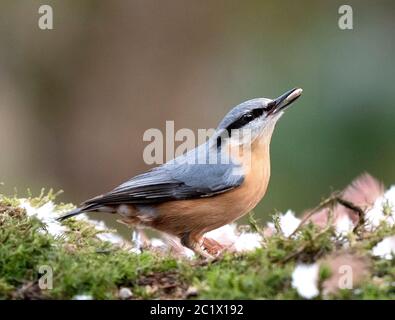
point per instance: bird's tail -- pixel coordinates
(73, 213)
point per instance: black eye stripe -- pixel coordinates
(257, 112)
(244, 119)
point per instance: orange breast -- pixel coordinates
(205, 214)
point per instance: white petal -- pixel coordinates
(46, 214)
(385, 248)
(248, 241)
(376, 215)
(55, 229)
(390, 195)
(111, 237)
(157, 243)
(344, 225)
(305, 280)
(46, 211)
(289, 223)
(30, 210)
(226, 235)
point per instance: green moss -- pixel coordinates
(83, 264)
(325, 272)
(80, 264)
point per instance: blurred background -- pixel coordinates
(75, 101)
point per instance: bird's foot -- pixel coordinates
(204, 247)
(212, 246)
(203, 253)
(209, 249)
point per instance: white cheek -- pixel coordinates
(274, 118)
(269, 125)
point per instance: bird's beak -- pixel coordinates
(283, 101)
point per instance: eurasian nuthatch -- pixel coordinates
(187, 197)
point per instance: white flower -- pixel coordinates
(344, 225)
(110, 237)
(101, 226)
(157, 243)
(228, 236)
(46, 214)
(305, 280)
(376, 214)
(390, 195)
(385, 248)
(248, 241)
(288, 223)
(225, 235)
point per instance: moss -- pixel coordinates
(83, 264)
(325, 272)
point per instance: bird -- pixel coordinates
(207, 187)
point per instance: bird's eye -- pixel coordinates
(248, 116)
(245, 119)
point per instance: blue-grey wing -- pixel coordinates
(180, 179)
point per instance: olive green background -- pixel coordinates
(75, 101)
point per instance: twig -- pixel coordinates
(304, 246)
(358, 210)
(333, 198)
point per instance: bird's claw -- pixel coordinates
(212, 246)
